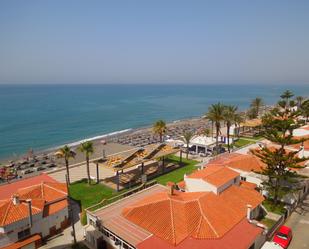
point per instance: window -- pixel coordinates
(125, 246)
(24, 233)
(242, 178)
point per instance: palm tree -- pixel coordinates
(206, 132)
(215, 115)
(299, 100)
(159, 128)
(66, 153)
(238, 119)
(256, 105)
(186, 138)
(229, 119)
(87, 149)
(305, 109)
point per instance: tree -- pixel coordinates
(286, 95)
(238, 119)
(186, 138)
(278, 126)
(215, 115)
(256, 105)
(66, 153)
(304, 109)
(299, 101)
(207, 132)
(159, 128)
(229, 117)
(87, 149)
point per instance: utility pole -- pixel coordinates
(70, 210)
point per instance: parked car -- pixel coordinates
(40, 168)
(27, 171)
(51, 165)
(283, 236)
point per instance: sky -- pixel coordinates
(158, 41)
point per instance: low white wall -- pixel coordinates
(198, 185)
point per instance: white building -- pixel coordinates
(34, 212)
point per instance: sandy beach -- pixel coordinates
(112, 146)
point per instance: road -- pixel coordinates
(299, 222)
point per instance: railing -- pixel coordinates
(106, 202)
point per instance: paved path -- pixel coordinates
(299, 222)
(80, 172)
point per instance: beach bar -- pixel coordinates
(136, 165)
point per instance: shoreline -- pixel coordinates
(112, 136)
(108, 137)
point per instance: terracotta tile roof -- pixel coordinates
(215, 175)
(201, 215)
(7, 190)
(239, 161)
(24, 242)
(244, 230)
(54, 207)
(49, 191)
(248, 185)
(246, 163)
(47, 197)
(181, 184)
(297, 146)
(273, 147)
(10, 213)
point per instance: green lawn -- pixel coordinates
(89, 195)
(278, 209)
(242, 142)
(256, 138)
(268, 222)
(92, 194)
(177, 175)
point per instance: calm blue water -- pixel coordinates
(40, 117)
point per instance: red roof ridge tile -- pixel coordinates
(206, 219)
(58, 190)
(172, 220)
(6, 212)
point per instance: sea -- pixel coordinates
(46, 116)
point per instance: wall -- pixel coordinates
(40, 226)
(250, 176)
(198, 185)
(235, 181)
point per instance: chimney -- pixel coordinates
(249, 208)
(28, 201)
(171, 187)
(15, 199)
